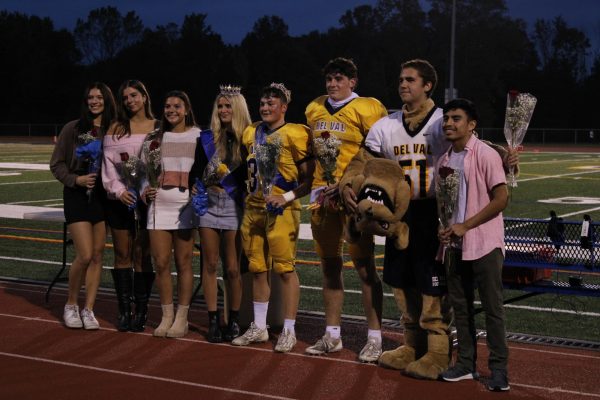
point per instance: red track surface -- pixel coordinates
(39, 358)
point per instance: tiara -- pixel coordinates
(230, 90)
(286, 92)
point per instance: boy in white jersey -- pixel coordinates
(414, 137)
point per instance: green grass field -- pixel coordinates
(568, 183)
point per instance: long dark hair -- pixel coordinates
(123, 114)
(86, 118)
(189, 118)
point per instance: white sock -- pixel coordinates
(260, 314)
(289, 325)
(334, 331)
(374, 334)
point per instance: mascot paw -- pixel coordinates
(432, 364)
(398, 358)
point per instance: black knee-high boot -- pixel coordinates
(123, 278)
(142, 289)
(214, 327)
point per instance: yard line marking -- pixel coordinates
(580, 212)
(53, 205)
(32, 201)
(557, 176)
(27, 183)
(144, 376)
(349, 291)
(37, 167)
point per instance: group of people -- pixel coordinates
(253, 175)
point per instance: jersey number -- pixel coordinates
(421, 166)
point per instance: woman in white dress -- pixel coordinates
(171, 217)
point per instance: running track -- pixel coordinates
(39, 358)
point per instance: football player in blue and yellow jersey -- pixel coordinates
(271, 219)
(349, 117)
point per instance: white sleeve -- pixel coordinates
(374, 139)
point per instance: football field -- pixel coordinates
(567, 182)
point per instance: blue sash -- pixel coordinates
(228, 182)
(260, 137)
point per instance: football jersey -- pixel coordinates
(294, 148)
(415, 151)
(350, 123)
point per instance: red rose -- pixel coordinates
(124, 156)
(445, 172)
(154, 145)
(94, 132)
(325, 135)
(513, 94)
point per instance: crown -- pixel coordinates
(230, 90)
(286, 92)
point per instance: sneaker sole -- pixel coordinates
(472, 376)
(92, 328)
(499, 389)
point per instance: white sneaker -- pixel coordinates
(286, 341)
(253, 335)
(90, 322)
(371, 351)
(325, 345)
(71, 316)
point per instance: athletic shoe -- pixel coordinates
(499, 381)
(325, 345)
(71, 316)
(371, 351)
(456, 373)
(90, 322)
(253, 335)
(286, 341)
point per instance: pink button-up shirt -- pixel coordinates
(483, 171)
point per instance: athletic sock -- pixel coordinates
(289, 325)
(260, 314)
(334, 331)
(374, 333)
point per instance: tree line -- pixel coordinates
(44, 70)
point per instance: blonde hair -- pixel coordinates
(240, 119)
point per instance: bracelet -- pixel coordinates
(289, 196)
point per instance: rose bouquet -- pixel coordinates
(446, 193)
(89, 150)
(132, 171)
(200, 199)
(152, 154)
(267, 155)
(215, 171)
(327, 149)
(519, 109)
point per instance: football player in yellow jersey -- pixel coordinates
(349, 117)
(271, 219)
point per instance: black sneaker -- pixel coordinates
(456, 373)
(232, 331)
(498, 382)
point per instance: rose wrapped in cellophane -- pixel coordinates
(132, 172)
(519, 109)
(446, 193)
(89, 150)
(152, 154)
(267, 156)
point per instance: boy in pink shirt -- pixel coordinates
(475, 237)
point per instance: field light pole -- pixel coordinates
(452, 45)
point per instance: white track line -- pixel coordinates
(541, 388)
(144, 376)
